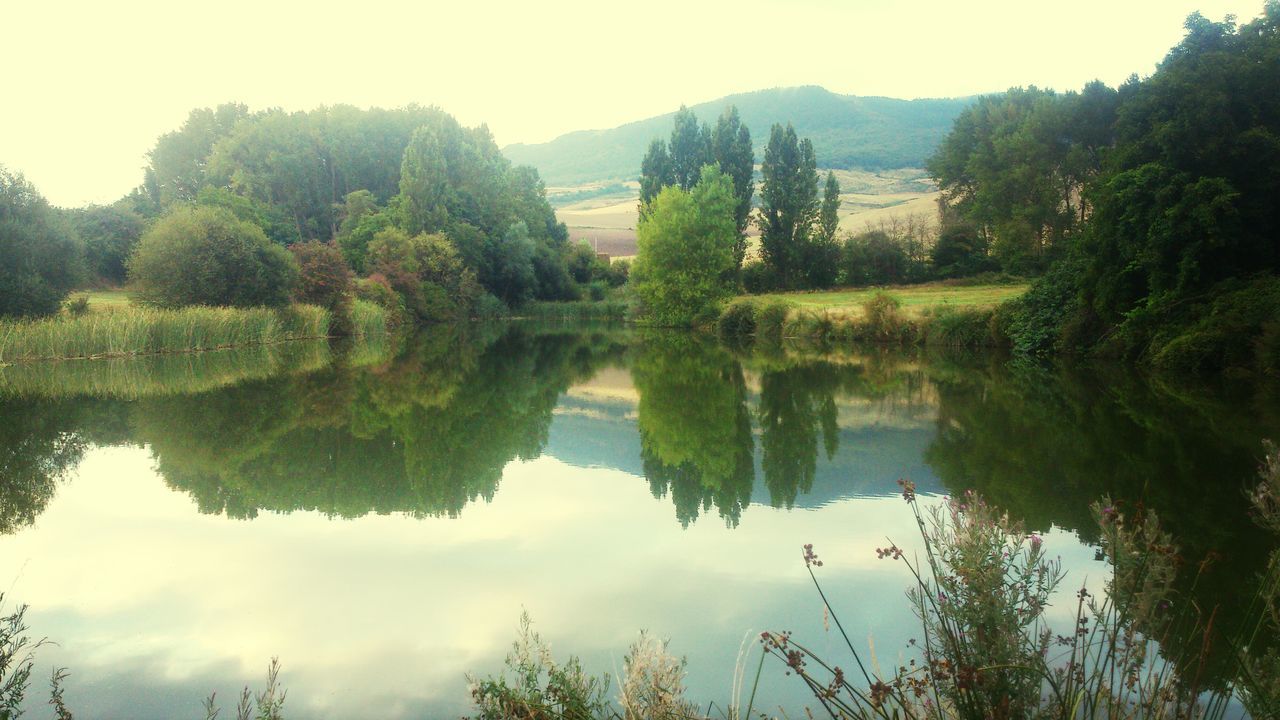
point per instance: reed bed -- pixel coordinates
(146, 331)
(368, 318)
(611, 310)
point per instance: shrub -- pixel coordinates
(489, 307)
(771, 317)
(78, 305)
(968, 327)
(882, 319)
(427, 272)
(618, 272)
(1236, 330)
(39, 259)
(325, 280)
(1037, 318)
(538, 687)
(738, 319)
(205, 256)
(758, 277)
(109, 235)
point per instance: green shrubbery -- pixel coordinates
(39, 257)
(205, 256)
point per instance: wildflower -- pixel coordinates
(810, 557)
(1036, 541)
(908, 490)
(893, 551)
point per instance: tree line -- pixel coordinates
(1150, 208)
(404, 198)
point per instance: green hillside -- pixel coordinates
(847, 131)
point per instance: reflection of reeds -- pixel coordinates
(167, 374)
(144, 331)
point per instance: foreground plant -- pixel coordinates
(987, 650)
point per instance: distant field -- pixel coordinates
(914, 298)
(103, 299)
(867, 199)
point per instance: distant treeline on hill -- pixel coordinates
(847, 131)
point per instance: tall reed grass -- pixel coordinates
(144, 331)
(368, 318)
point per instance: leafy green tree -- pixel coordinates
(40, 257)
(179, 161)
(690, 148)
(679, 162)
(279, 227)
(873, 258)
(508, 269)
(655, 173)
(731, 148)
(788, 204)
(959, 251)
(829, 212)
(109, 234)
(1189, 197)
(1016, 165)
(207, 256)
(684, 256)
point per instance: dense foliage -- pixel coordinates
(684, 263)
(205, 256)
(1154, 204)
(680, 161)
(39, 256)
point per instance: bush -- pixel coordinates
(738, 319)
(205, 256)
(39, 260)
(427, 272)
(1236, 331)
(109, 235)
(325, 280)
(883, 321)
(618, 272)
(1037, 319)
(489, 307)
(758, 277)
(771, 318)
(873, 258)
(968, 327)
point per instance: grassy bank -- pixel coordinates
(925, 315)
(916, 300)
(145, 331)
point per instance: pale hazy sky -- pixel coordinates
(89, 86)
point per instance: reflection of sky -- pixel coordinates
(154, 605)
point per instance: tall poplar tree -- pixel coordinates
(731, 148)
(788, 204)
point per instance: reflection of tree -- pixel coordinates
(39, 444)
(1044, 444)
(695, 428)
(795, 404)
(424, 435)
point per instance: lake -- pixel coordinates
(378, 518)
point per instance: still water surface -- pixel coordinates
(379, 520)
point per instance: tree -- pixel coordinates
(179, 160)
(829, 214)
(508, 269)
(731, 148)
(788, 204)
(655, 172)
(960, 251)
(39, 256)
(206, 256)
(109, 234)
(427, 271)
(684, 258)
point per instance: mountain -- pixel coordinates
(847, 131)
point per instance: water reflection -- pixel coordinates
(747, 437)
